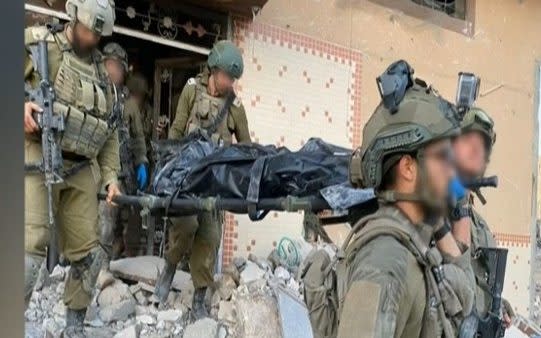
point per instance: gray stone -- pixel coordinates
(119, 311)
(105, 278)
(129, 332)
(170, 315)
(257, 316)
(58, 274)
(146, 319)
(59, 309)
(226, 312)
(206, 327)
(141, 310)
(160, 325)
(114, 294)
(282, 273)
(135, 288)
(141, 298)
(232, 271)
(239, 263)
(222, 332)
(225, 287)
(251, 273)
(146, 269)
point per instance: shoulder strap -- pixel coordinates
(222, 114)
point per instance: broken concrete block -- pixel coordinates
(129, 332)
(145, 319)
(232, 271)
(222, 332)
(160, 325)
(135, 288)
(258, 316)
(58, 274)
(282, 273)
(206, 327)
(226, 312)
(239, 263)
(169, 315)
(105, 278)
(114, 294)
(225, 287)
(118, 311)
(141, 298)
(146, 269)
(251, 273)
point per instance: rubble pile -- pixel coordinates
(242, 303)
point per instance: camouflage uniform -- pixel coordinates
(82, 89)
(387, 279)
(477, 120)
(197, 110)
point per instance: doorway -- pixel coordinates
(170, 76)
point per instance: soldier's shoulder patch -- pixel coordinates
(191, 81)
(37, 33)
(237, 102)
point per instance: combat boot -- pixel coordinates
(198, 306)
(74, 324)
(163, 284)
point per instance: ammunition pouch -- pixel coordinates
(84, 134)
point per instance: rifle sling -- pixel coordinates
(36, 168)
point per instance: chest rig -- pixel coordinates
(85, 98)
(209, 117)
(442, 303)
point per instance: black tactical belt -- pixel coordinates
(36, 168)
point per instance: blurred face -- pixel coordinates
(115, 71)
(84, 40)
(470, 154)
(223, 82)
(439, 168)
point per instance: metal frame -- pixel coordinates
(124, 31)
(535, 181)
(466, 26)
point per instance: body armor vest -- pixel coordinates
(206, 113)
(85, 98)
(442, 302)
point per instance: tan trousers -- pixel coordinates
(200, 235)
(75, 205)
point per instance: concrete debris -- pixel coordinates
(242, 302)
(206, 327)
(251, 273)
(114, 294)
(105, 278)
(225, 287)
(129, 332)
(146, 319)
(169, 315)
(118, 311)
(147, 269)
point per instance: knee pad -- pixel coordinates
(87, 269)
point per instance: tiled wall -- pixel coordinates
(293, 87)
(517, 281)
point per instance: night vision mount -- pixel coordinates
(393, 83)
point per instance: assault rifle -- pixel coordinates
(492, 325)
(476, 184)
(51, 126)
(127, 174)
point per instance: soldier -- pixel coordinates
(390, 281)
(139, 92)
(207, 104)
(472, 154)
(88, 144)
(133, 160)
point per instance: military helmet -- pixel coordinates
(476, 119)
(113, 50)
(96, 15)
(226, 56)
(137, 83)
(421, 117)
